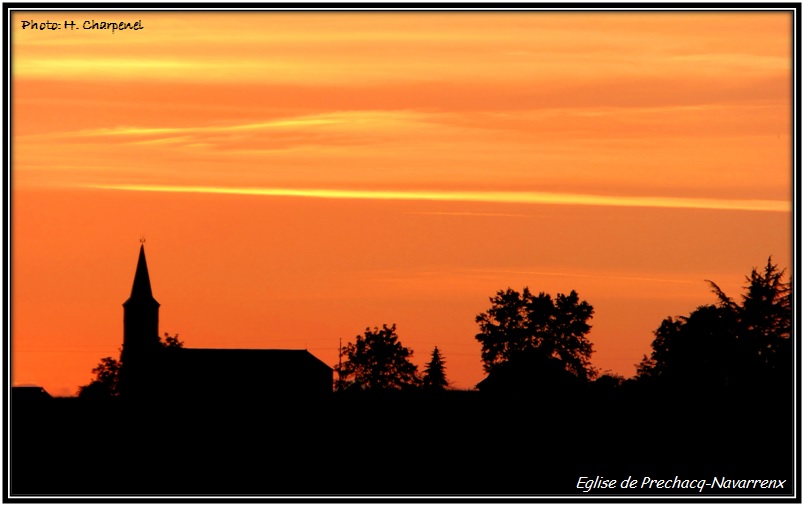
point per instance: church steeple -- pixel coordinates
(140, 331)
(141, 289)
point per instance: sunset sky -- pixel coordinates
(301, 176)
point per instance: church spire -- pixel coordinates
(141, 289)
(140, 332)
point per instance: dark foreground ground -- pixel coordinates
(456, 444)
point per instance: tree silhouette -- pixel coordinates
(434, 375)
(728, 343)
(106, 382)
(765, 316)
(376, 361)
(609, 380)
(172, 341)
(694, 350)
(539, 328)
(107, 373)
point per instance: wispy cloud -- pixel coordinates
(366, 120)
(492, 215)
(575, 274)
(362, 117)
(509, 197)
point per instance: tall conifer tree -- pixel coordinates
(434, 376)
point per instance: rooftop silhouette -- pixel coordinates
(149, 370)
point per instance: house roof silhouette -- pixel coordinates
(29, 393)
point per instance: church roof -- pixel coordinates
(141, 289)
(231, 373)
(284, 357)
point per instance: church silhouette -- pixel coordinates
(152, 371)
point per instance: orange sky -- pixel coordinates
(301, 176)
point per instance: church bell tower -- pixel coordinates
(140, 331)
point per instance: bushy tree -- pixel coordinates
(539, 327)
(610, 380)
(172, 341)
(695, 349)
(107, 373)
(376, 361)
(106, 382)
(765, 317)
(435, 377)
(728, 343)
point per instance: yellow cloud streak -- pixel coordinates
(507, 197)
(372, 119)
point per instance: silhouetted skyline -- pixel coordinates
(379, 168)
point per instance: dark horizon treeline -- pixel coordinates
(531, 342)
(713, 399)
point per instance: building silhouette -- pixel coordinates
(149, 370)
